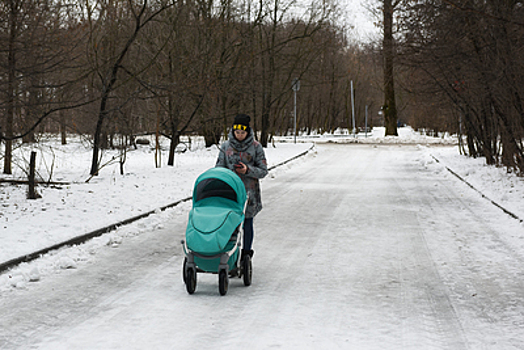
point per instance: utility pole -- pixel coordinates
(353, 109)
(295, 86)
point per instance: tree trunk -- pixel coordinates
(30, 112)
(175, 135)
(264, 134)
(96, 141)
(11, 67)
(390, 108)
(175, 140)
(63, 128)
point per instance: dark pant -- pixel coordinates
(248, 233)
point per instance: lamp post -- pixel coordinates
(295, 86)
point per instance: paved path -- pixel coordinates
(358, 247)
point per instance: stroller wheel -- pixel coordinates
(223, 282)
(191, 280)
(184, 270)
(247, 268)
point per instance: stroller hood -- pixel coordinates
(220, 182)
(219, 199)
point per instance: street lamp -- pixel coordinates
(295, 86)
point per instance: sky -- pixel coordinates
(355, 16)
(456, 285)
(358, 16)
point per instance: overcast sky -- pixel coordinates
(359, 17)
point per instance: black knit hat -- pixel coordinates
(241, 122)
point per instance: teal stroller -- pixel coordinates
(214, 230)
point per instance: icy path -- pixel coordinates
(359, 247)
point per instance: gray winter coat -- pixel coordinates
(251, 153)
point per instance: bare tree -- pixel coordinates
(34, 54)
(140, 15)
(275, 33)
(470, 56)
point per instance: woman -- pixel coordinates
(245, 156)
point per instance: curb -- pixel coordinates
(511, 214)
(291, 159)
(85, 237)
(81, 239)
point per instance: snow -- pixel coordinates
(77, 208)
(70, 210)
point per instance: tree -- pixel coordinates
(390, 108)
(467, 56)
(276, 70)
(35, 53)
(108, 70)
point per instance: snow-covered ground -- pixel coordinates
(75, 208)
(78, 207)
(362, 247)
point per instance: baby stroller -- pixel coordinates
(214, 231)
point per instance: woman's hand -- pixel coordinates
(241, 168)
